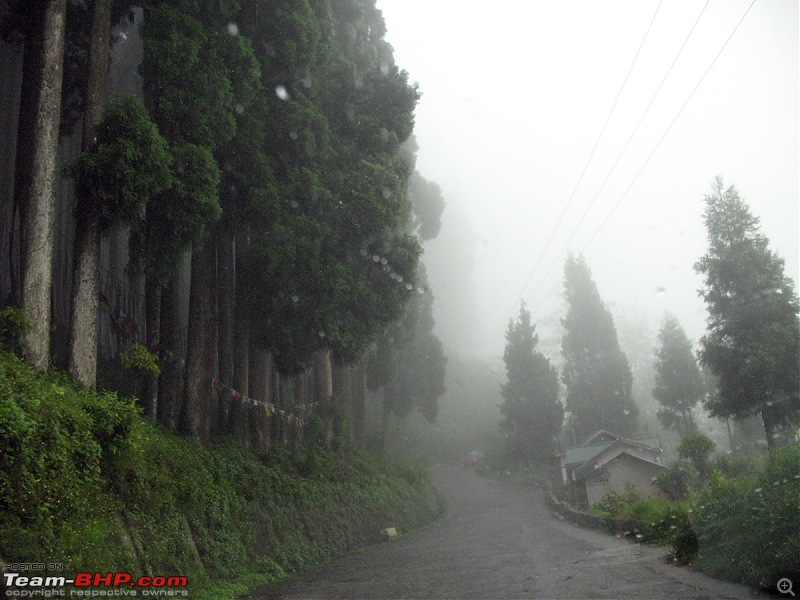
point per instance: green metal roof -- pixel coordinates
(580, 454)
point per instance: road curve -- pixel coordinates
(500, 540)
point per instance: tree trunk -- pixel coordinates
(323, 379)
(170, 385)
(201, 346)
(771, 416)
(342, 403)
(240, 423)
(260, 375)
(226, 298)
(152, 309)
(86, 274)
(34, 189)
(358, 404)
(387, 413)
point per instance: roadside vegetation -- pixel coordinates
(88, 483)
(741, 524)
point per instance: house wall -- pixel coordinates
(620, 473)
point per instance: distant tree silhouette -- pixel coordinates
(596, 372)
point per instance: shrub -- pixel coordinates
(697, 447)
(86, 481)
(736, 465)
(13, 324)
(679, 480)
(650, 520)
(747, 526)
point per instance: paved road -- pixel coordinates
(500, 540)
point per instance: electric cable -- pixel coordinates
(624, 148)
(660, 141)
(586, 165)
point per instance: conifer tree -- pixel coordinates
(752, 344)
(532, 409)
(678, 385)
(596, 372)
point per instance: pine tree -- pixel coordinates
(532, 409)
(596, 372)
(678, 385)
(752, 344)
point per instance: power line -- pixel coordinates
(586, 165)
(660, 141)
(624, 148)
(677, 116)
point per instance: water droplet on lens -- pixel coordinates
(281, 92)
(233, 28)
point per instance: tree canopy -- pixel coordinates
(678, 384)
(531, 405)
(752, 343)
(596, 372)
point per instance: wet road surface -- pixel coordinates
(500, 540)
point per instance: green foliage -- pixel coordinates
(13, 325)
(428, 205)
(651, 520)
(140, 359)
(178, 216)
(532, 409)
(752, 344)
(678, 385)
(85, 481)
(679, 480)
(186, 82)
(596, 373)
(129, 164)
(697, 448)
(747, 526)
(59, 441)
(735, 465)
(408, 362)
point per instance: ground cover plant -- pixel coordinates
(86, 482)
(741, 526)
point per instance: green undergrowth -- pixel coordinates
(742, 527)
(88, 484)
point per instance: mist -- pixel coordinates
(516, 126)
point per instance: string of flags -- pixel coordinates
(233, 395)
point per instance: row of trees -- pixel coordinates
(270, 145)
(749, 354)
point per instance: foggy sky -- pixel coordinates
(514, 96)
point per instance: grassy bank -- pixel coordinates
(87, 483)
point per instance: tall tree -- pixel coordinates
(188, 90)
(752, 343)
(596, 372)
(34, 187)
(678, 384)
(531, 406)
(86, 274)
(408, 363)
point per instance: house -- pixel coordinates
(606, 461)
